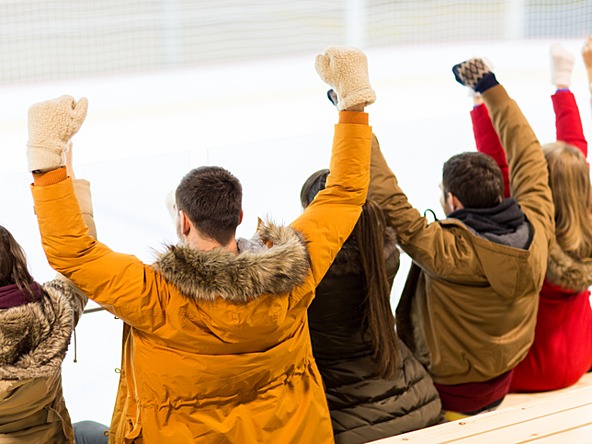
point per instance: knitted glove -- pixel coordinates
(346, 71)
(51, 125)
(561, 65)
(475, 74)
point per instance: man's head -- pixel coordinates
(211, 198)
(472, 180)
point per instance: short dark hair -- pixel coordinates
(315, 183)
(211, 197)
(474, 178)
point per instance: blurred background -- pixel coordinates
(174, 84)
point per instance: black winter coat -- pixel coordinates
(364, 406)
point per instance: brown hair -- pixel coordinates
(569, 180)
(369, 234)
(474, 178)
(211, 197)
(13, 263)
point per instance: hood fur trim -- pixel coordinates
(205, 275)
(567, 272)
(34, 337)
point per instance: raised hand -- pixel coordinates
(346, 71)
(51, 125)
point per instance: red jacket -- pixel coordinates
(562, 348)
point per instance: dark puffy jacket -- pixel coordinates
(363, 405)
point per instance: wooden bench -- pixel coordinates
(562, 416)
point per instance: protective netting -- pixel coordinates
(47, 39)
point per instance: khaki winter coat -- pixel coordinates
(469, 306)
(217, 348)
(34, 339)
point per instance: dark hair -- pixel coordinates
(13, 264)
(211, 197)
(369, 235)
(474, 178)
(315, 183)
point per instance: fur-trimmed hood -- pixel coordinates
(34, 337)
(274, 262)
(567, 272)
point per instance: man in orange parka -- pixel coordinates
(217, 346)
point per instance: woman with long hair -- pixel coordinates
(36, 324)
(375, 387)
(562, 349)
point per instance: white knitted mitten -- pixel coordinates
(561, 65)
(346, 71)
(51, 125)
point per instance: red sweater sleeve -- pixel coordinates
(568, 123)
(488, 142)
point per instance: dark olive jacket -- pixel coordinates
(363, 405)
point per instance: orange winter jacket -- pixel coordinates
(216, 347)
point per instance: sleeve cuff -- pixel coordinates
(352, 117)
(50, 178)
(487, 82)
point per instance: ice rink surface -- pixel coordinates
(269, 123)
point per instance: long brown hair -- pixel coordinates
(13, 263)
(569, 180)
(369, 234)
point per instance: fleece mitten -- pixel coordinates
(475, 74)
(346, 71)
(561, 65)
(51, 125)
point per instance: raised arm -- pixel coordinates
(568, 123)
(329, 219)
(78, 299)
(587, 57)
(528, 168)
(436, 249)
(120, 283)
(487, 141)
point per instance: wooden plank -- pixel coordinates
(568, 412)
(582, 435)
(514, 399)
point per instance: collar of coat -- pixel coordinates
(34, 337)
(277, 264)
(567, 272)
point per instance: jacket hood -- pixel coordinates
(274, 262)
(568, 272)
(511, 271)
(503, 224)
(34, 337)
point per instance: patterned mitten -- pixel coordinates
(475, 74)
